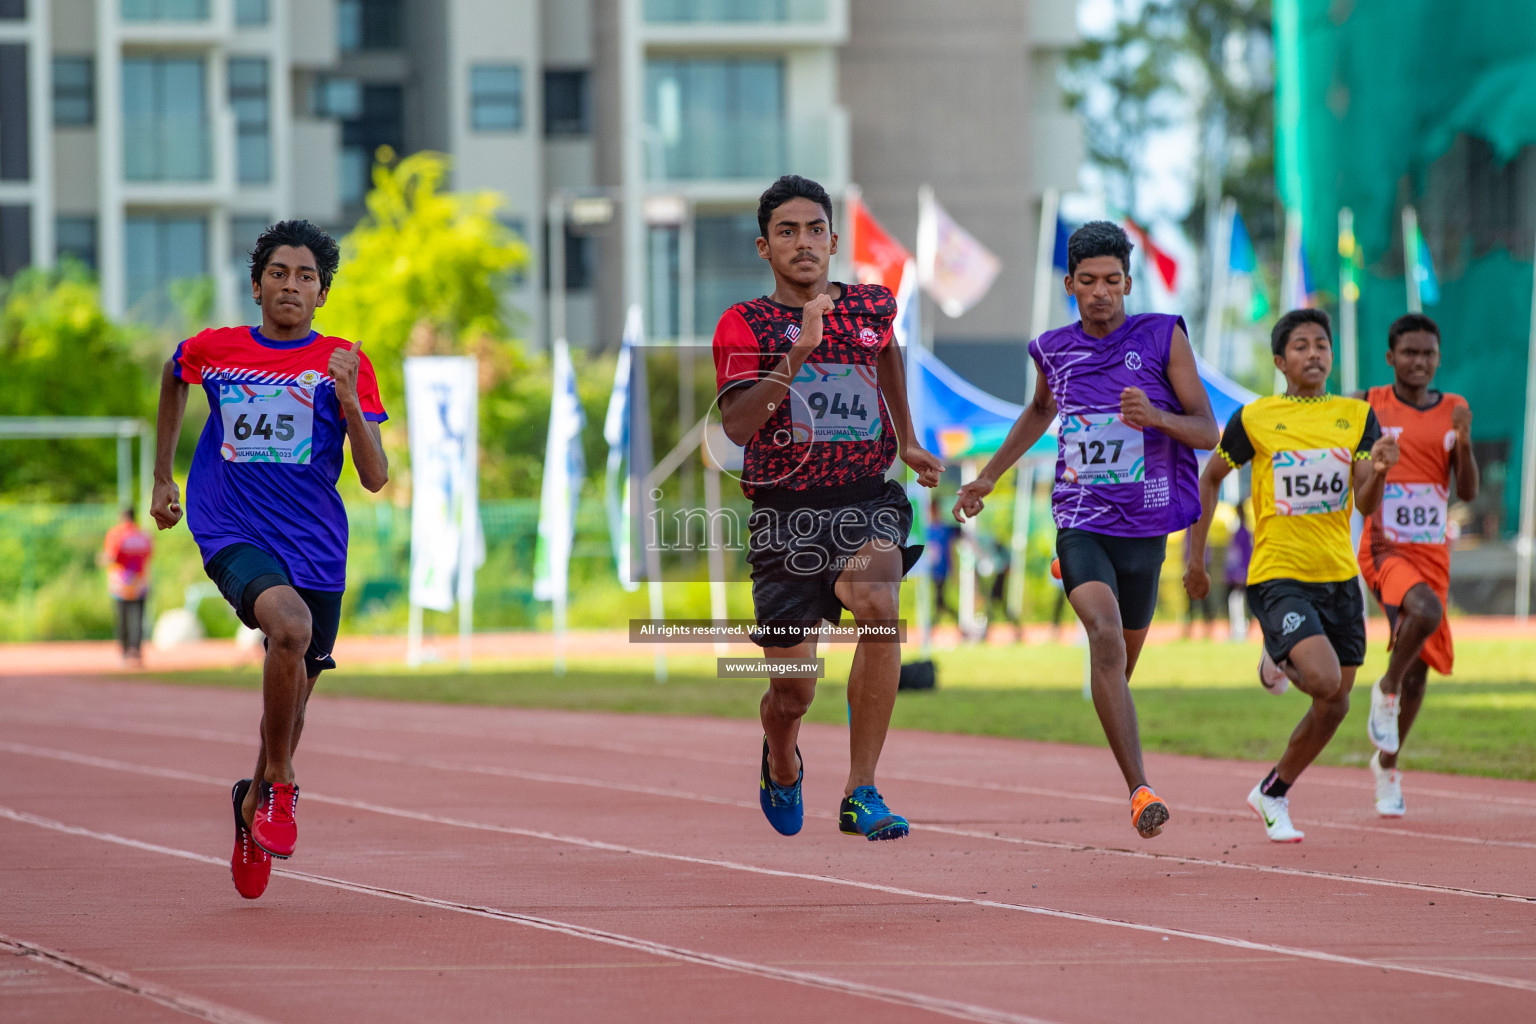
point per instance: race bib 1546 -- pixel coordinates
(1312, 481)
(267, 423)
(1414, 513)
(1101, 448)
(835, 402)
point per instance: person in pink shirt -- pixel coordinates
(125, 553)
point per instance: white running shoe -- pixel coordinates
(1275, 812)
(1271, 677)
(1389, 789)
(1381, 727)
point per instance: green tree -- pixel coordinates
(63, 356)
(1160, 56)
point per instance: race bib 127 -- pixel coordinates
(267, 423)
(1101, 448)
(1312, 481)
(835, 402)
(1414, 513)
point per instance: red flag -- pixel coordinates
(1167, 266)
(877, 257)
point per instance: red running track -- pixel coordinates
(474, 864)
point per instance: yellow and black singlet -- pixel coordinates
(1303, 452)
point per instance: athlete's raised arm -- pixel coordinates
(1026, 430)
(1370, 473)
(893, 387)
(1196, 426)
(1468, 477)
(165, 499)
(744, 410)
(367, 444)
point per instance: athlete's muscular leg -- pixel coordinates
(1317, 674)
(284, 618)
(248, 808)
(869, 588)
(1110, 657)
(785, 703)
(1410, 699)
(1135, 639)
(1417, 619)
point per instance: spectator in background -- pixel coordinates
(1239, 551)
(941, 535)
(125, 553)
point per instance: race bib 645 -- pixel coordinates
(267, 423)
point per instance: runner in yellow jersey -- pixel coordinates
(1311, 453)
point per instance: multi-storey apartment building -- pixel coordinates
(152, 138)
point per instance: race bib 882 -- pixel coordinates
(267, 423)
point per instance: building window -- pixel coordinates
(566, 109)
(251, 12)
(496, 97)
(75, 237)
(368, 25)
(244, 229)
(157, 252)
(13, 10)
(727, 268)
(715, 117)
(15, 135)
(165, 120)
(338, 97)
(15, 239)
(580, 260)
(74, 92)
(380, 122)
(165, 10)
(253, 140)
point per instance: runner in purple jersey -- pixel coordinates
(1132, 411)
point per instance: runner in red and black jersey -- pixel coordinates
(813, 387)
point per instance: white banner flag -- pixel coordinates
(953, 268)
(441, 400)
(616, 433)
(564, 467)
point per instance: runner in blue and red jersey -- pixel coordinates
(262, 502)
(812, 385)
(1132, 410)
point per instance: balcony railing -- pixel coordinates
(714, 148)
(675, 12)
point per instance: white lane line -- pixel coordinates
(1051, 844)
(1237, 811)
(1067, 915)
(915, 1000)
(181, 1002)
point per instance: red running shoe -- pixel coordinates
(272, 826)
(249, 865)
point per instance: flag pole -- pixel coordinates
(1291, 281)
(1411, 259)
(1221, 275)
(1349, 335)
(1527, 536)
(469, 516)
(1040, 307)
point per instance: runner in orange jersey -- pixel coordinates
(1404, 554)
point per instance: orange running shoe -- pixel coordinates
(1148, 812)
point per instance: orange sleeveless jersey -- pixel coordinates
(1411, 520)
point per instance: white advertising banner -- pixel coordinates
(441, 406)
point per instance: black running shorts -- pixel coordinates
(1130, 566)
(802, 541)
(244, 572)
(1289, 611)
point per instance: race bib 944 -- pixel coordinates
(835, 402)
(267, 423)
(1311, 481)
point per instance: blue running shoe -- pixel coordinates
(781, 804)
(865, 814)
